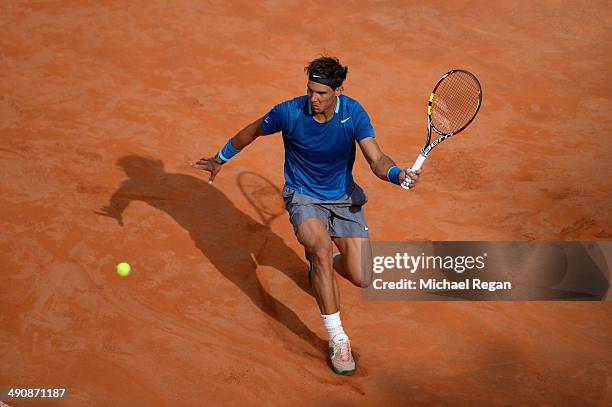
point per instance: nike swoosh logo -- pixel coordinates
(348, 118)
(266, 120)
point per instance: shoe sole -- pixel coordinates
(341, 372)
(344, 372)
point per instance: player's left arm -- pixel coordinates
(381, 164)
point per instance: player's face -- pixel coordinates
(322, 97)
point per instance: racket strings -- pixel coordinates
(455, 102)
(268, 200)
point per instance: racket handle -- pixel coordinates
(417, 164)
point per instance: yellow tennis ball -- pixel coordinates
(123, 269)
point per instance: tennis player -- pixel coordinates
(325, 204)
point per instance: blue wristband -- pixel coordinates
(393, 174)
(228, 151)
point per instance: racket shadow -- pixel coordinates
(266, 198)
(226, 236)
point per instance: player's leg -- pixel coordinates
(349, 231)
(311, 223)
(355, 261)
(312, 234)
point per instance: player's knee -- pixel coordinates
(359, 272)
(321, 252)
(363, 278)
(316, 245)
(365, 281)
(312, 234)
(365, 272)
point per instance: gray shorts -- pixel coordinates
(343, 217)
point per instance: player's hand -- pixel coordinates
(414, 176)
(208, 164)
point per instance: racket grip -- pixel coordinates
(417, 164)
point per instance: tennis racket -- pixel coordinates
(453, 105)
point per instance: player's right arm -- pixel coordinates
(247, 135)
(235, 144)
(274, 121)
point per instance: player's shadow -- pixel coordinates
(229, 238)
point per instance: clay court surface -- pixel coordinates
(104, 103)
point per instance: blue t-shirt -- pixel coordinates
(319, 157)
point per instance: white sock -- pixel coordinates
(333, 324)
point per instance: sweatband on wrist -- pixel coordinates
(393, 174)
(228, 151)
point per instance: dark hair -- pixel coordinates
(327, 70)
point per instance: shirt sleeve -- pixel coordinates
(276, 119)
(363, 126)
